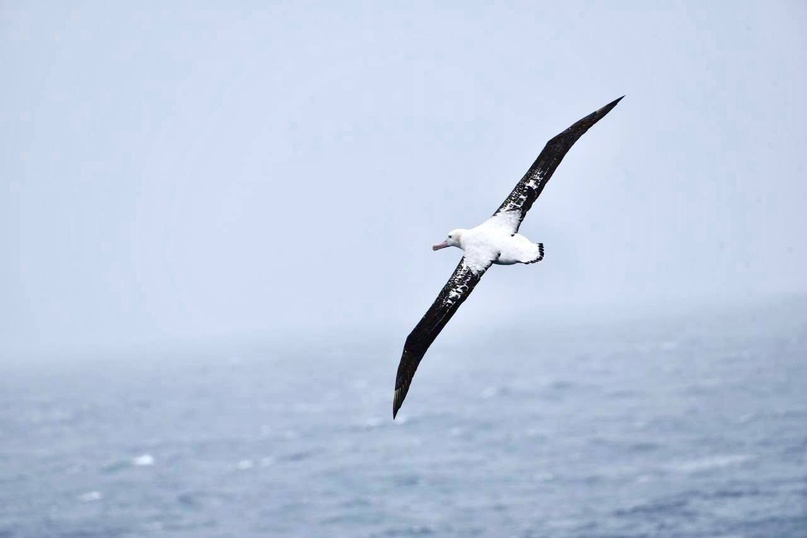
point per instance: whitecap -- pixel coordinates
(373, 422)
(243, 465)
(718, 461)
(143, 460)
(90, 496)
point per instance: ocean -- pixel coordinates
(686, 425)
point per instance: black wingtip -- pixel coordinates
(607, 108)
(397, 401)
(568, 137)
(400, 395)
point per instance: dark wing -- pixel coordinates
(453, 294)
(527, 190)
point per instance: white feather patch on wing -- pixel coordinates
(506, 221)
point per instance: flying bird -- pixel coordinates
(495, 241)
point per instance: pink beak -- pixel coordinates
(438, 246)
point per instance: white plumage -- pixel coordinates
(495, 241)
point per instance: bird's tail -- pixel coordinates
(540, 255)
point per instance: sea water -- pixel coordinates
(690, 427)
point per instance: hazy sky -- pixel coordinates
(182, 171)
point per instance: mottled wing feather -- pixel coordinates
(457, 289)
(515, 207)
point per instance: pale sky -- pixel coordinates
(179, 173)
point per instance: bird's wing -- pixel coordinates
(515, 207)
(453, 294)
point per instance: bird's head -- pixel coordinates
(454, 239)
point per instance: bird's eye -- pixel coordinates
(450, 237)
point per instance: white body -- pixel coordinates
(494, 241)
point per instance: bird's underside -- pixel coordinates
(494, 241)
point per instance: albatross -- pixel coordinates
(495, 241)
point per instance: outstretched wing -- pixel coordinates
(453, 294)
(515, 207)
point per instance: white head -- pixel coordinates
(454, 239)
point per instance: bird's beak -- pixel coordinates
(438, 246)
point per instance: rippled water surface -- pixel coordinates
(691, 427)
